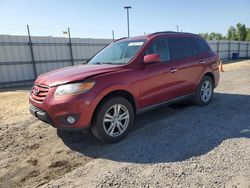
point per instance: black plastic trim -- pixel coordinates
(165, 103)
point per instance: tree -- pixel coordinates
(215, 36)
(241, 31)
(248, 34)
(224, 38)
(204, 35)
(218, 36)
(212, 36)
(231, 33)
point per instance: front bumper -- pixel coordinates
(56, 110)
(44, 116)
(40, 114)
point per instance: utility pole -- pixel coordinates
(113, 35)
(70, 48)
(177, 27)
(127, 8)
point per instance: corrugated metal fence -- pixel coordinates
(23, 58)
(226, 48)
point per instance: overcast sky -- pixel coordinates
(97, 18)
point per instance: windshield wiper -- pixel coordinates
(99, 63)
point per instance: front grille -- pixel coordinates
(39, 92)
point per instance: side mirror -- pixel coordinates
(152, 58)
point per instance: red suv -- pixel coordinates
(127, 77)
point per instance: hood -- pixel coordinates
(74, 73)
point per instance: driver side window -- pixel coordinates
(160, 46)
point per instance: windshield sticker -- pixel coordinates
(135, 43)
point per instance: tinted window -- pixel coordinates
(181, 48)
(201, 45)
(160, 46)
(194, 48)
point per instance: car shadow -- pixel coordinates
(174, 133)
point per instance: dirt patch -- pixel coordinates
(57, 164)
(32, 161)
(29, 148)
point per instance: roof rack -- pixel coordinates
(162, 32)
(169, 32)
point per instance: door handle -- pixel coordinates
(202, 62)
(173, 70)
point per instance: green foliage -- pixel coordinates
(240, 32)
(248, 34)
(232, 33)
(224, 38)
(212, 36)
(204, 35)
(215, 36)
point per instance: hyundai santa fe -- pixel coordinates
(127, 77)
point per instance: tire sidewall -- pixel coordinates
(198, 94)
(98, 129)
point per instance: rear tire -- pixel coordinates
(204, 92)
(113, 120)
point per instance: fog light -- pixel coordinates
(71, 120)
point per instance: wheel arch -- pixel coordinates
(119, 92)
(211, 75)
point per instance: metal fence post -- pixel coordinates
(32, 52)
(229, 49)
(239, 49)
(247, 48)
(218, 48)
(70, 48)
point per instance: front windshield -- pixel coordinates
(120, 52)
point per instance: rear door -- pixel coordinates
(187, 60)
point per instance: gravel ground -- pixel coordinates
(177, 146)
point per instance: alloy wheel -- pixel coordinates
(116, 120)
(206, 91)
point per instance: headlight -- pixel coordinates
(72, 89)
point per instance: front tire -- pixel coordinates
(204, 92)
(113, 120)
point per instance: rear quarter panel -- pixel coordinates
(211, 66)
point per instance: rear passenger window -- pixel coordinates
(201, 45)
(160, 46)
(194, 48)
(181, 48)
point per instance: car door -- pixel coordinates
(158, 80)
(188, 68)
